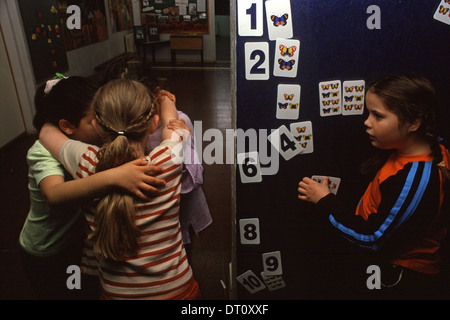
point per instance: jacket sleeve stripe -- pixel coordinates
(396, 216)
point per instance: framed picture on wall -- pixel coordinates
(152, 33)
(140, 34)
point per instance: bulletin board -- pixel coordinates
(177, 16)
(43, 31)
(295, 61)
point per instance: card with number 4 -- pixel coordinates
(302, 132)
(279, 19)
(285, 143)
(330, 98)
(286, 58)
(333, 183)
(288, 101)
(442, 13)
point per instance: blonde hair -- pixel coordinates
(124, 111)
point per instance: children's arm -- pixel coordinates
(52, 139)
(312, 191)
(133, 177)
(168, 113)
(405, 209)
(165, 93)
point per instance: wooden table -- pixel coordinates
(186, 42)
(152, 45)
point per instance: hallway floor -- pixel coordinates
(204, 95)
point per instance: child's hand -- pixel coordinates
(180, 129)
(164, 93)
(136, 177)
(313, 191)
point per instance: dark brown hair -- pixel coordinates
(410, 97)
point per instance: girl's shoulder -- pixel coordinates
(162, 150)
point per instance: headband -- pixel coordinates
(51, 83)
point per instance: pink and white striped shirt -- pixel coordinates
(160, 267)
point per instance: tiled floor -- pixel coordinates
(204, 95)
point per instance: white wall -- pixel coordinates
(11, 122)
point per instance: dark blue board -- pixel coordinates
(335, 44)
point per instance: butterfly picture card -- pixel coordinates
(279, 19)
(442, 13)
(273, 282)
(288, 101)
(286, 58)
(333, 182)
(303, 133)
(353, 97)
(330, 98)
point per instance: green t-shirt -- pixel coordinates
(47, 231)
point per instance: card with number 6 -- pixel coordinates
(249, 167)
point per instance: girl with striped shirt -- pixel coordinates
(137, 245)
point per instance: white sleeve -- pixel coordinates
(79, 159)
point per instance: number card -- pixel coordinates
(353, 97)
(249, 231)
(285, 143)
(333, 183)
(288, 101)
(251, 282)
(256, 61)
(273, 282)
(286, 58)
(442, 13)
(249, 167)
(330, 98)
(302, 132)
(250, 18)
(272, 263)
(279, 19)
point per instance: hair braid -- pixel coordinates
(123, 110)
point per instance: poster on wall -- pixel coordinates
(176, 16)
(43, 31)
(121, 13)
(93, 23)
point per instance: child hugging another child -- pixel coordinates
(54, 231)
(138, 243)
(403, 215)
(194, 211)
